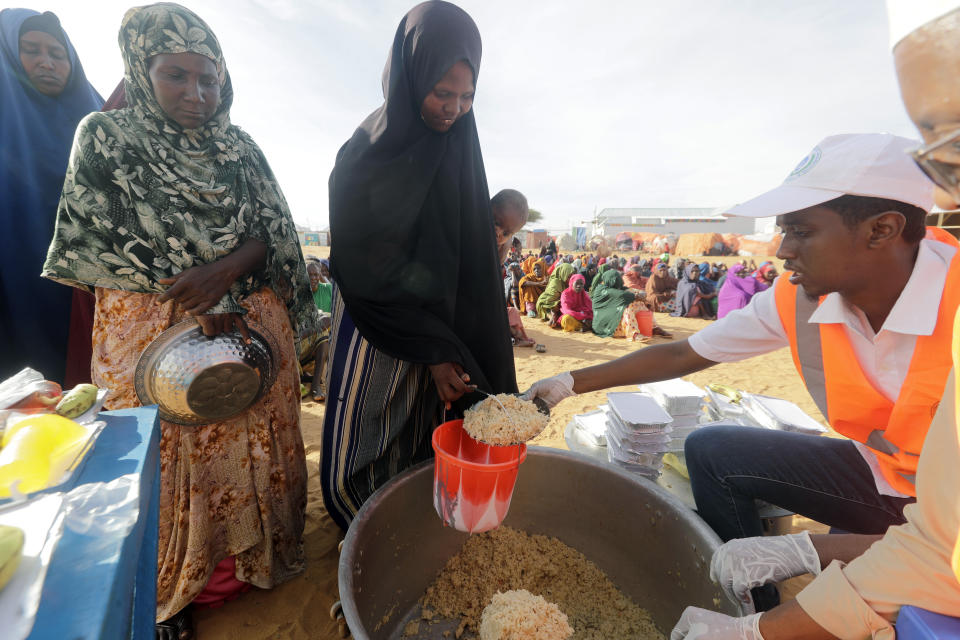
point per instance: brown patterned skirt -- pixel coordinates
(232, 488)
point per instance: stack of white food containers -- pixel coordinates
(684, 402)
(592, 426)
(638, 433)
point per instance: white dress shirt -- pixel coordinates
(884, 356)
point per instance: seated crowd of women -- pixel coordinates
(605, 295)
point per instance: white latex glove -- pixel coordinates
(700, 624)
(551, 390)
(745, 563)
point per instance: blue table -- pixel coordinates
(917, 624)
(106, 588)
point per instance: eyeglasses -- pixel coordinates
(940, 160)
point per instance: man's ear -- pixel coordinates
(885, 228)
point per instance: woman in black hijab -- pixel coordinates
(418, 311)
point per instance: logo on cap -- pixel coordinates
(809, 162)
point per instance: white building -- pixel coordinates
(611, 221)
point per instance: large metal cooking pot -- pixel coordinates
(651, 546)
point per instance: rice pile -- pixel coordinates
(507, 559)
(486, 421)
(520, 615)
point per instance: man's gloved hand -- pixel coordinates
(740, 565)
(551, 390)
(700, 624)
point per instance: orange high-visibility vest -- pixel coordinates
(956, 368)
(855, 408)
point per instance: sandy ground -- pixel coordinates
(300, 608)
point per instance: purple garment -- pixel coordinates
(736, 291)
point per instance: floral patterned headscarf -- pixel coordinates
(145, 199)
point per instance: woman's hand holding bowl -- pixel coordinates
(216, 323)
(197, 289)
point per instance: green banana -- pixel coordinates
(724, 390)
(78, 400)
(11, 550)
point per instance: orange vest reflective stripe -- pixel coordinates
(855, 408)
(956, 367)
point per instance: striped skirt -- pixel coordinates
(381, 413)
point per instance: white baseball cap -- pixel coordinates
(876, 165)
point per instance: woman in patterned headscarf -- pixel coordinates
(171, 212)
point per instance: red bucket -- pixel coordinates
(645, 322)
(472, 481)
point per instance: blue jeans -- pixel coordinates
(824, 479)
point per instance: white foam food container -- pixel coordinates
(720, 407)
(625, 436)
(637, 430)
(638, 410)
(678, 396)
(592, 427)
(651, 473)
(652, 459)
(680, 433)
(686, 422)
(776, 413)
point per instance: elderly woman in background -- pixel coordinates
(549, 301)
(766, 274)
(661, 289)
(511, 285)
(169, 212)
(43, 95)
(532, 287)
(576, 310)
(694, 295)
(633, 278)
(737, 290)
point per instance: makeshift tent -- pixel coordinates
(732, 240)
(537, 238)
(643, 240)
(760, 244)
(624, 241)
(567, 243)
(697, 244)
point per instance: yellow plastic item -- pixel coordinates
(37, 451)
(724, 390)
(58, 427)
(671, 460)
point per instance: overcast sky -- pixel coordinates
(580, 105)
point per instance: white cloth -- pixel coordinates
(884, 356)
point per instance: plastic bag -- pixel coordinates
(28, 392)
(104, 509)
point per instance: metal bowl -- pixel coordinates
(195, 379)
(655, 549)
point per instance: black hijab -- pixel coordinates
(413, 247)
